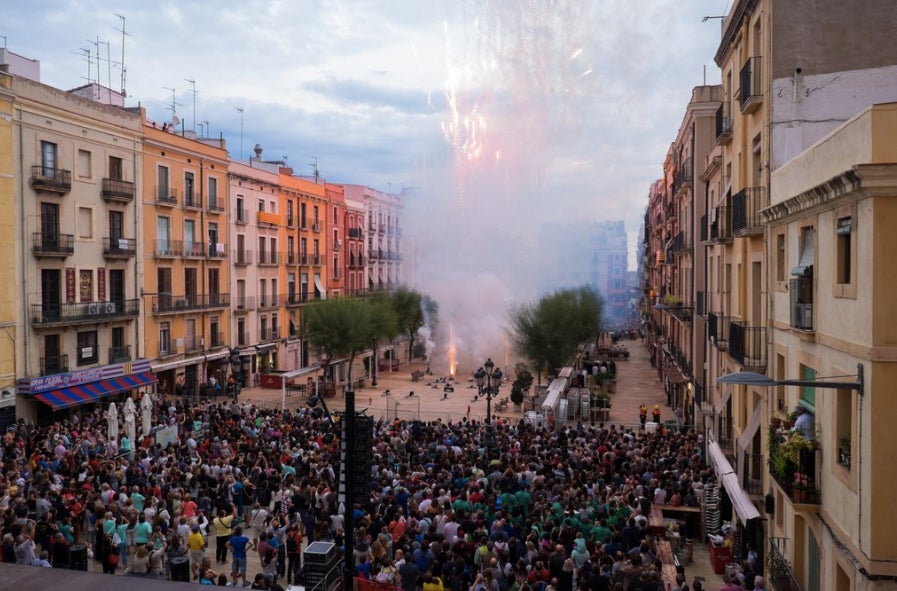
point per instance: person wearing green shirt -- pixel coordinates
(142, 531)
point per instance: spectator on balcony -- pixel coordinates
(805, 423)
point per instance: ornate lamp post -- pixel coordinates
(488, 379)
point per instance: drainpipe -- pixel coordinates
(26, 332)
(204, 270)
(138, 342)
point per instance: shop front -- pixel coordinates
(50, 398)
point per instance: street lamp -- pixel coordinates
(749, 378)
(488, 379)
(374, 363)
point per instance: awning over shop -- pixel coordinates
(741, 502)
(247, 351)
(217, 355)
(753, 424)
(674, 375)
(176, 364)
(266, 347)
(82, 393)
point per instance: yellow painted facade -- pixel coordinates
(186, 259)
(9, 327)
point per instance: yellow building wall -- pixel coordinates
(8, 330)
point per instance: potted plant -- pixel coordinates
(802, 487)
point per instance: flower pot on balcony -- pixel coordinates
(775, 422)
(800, 496)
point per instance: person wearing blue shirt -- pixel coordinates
(239, 545)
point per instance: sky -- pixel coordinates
(495, 115)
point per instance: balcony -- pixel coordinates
(54, 364)
(746, 206)
(51, 180)
(292, 259)
(718, 330)
(267, 302)
(242, 338)
(267, 334)
(217, 250)
(291, 221)
(174, 304)
(192, 201)
(683, 178)
(398, 232)
(751, 94)
(381, 230)
(194, 249)
(167, 196)
(120, 354)
(292, 299)
(303, 258)
(268, 259)
(337, 246)
(747, 345)
(315, 260)
(699, 303)
(168, 248)
(117, 190)
(241, 216)
(316, 226)
(119, 248)
(44, 314)
(720, 225)
(245, 303)
(779, 572)
(355, 233)
(723, 124)
(800, 290)
(792, 465)
(214, 205)
(726, 442)
(242, 258)
(52, 245)
(216, 340)
(703, 229)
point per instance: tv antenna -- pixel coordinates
(192, 84)
(240, 111)
(173, 107)
(87, 55)
(124, 70)
(314, 166)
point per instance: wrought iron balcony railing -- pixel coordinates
(746, 206)
(44, 314)
(54, 364)
(751, 95)
(53, 180)
(120, 354)
(723, 124)
(119, 247)
(747, 345)
(117, 190)
(46, 244)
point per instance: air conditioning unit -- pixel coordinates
(109, 308)
(93, 309)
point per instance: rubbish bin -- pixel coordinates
(78, 557)
(720, 556)
(180, 569)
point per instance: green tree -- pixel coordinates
(548, 332)
(344, 327)
(408, 305)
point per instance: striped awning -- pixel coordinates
(82, 393)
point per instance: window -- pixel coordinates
(808, 393)
(213, 192)
(190, 246)
(335, 216)
(84, 166)
(85, 223)
(844, 419)
(290, 212)
(241, 293)
(241, 215)
(263, 291)
(214, 331)
(164, 338)
(261, 205)
(780, 257)
(844, 272)
(162, 189)
(116, 168)
(262, 250)
(241, 332)
(48, 153)
(190, 337)
(189, 183)
(87, 347)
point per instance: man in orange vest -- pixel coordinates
(643, 414)
(656, 413)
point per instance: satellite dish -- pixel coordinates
(175, 120)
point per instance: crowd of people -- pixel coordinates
(447, 509)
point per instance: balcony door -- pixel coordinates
(50, 285)
(163, 234)
(115, 168)
(116, 226)
(48, 158)
(117, 288)
(49, 225)
(52, 355)
(163, 285)
(190, 237)
(190, 286)
(214, 286)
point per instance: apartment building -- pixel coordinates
(353, 246)
(186, 297)
(383, 246)
(785, 204)
(76, 275)
(338, 269)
